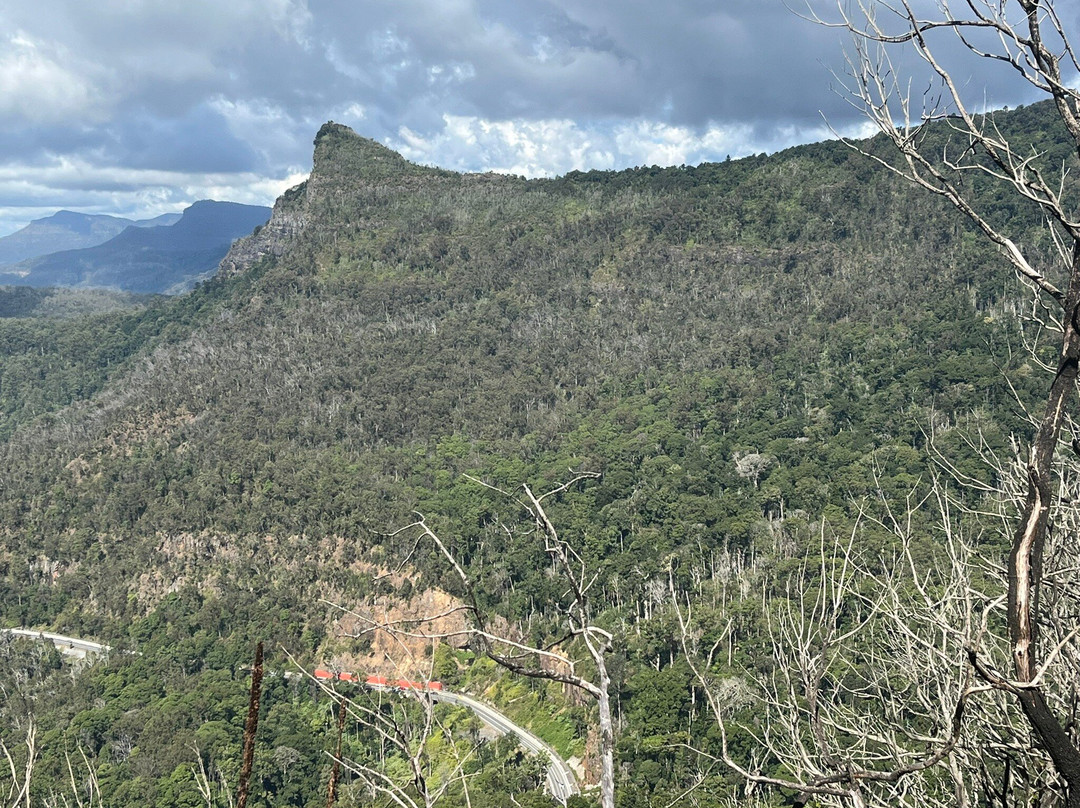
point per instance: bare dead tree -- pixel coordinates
(83, 789)
(871, 698)
(403, 723)
(213, 791)
(18, 795)
(1058, 676)
(407, 735)
(886, 684)
(1029, 40)
(250, 728)
(555, 661)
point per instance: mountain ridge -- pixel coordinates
(69, 230)
(424, 304)
(164, 259)
(752, 354)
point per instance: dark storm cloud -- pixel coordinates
(682, 61)
(181, 100)
(197, 141)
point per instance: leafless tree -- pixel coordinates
(580, 640)
(884, 687)
(19, 789)
(214, 791)
(403, 723)
(335, 771)
(1028, 40)
(751, 465)
(868, 681)
(83, 788)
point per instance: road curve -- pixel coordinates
(561, 783)
(74, 646)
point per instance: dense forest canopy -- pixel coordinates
(751, 354)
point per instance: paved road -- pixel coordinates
(561, 782)
(72, 646)
(560, 779)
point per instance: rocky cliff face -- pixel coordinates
(345, 167)
(273, 238)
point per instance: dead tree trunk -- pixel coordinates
(1026, 559)
(335, 772)
(250, 728)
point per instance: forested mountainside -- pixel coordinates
(750, 354)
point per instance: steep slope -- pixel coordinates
(140, 259)
(258, 441)
(406, 323)
(67, 230)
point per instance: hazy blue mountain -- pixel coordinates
(164, 220)
(68, 230)
(164, 259)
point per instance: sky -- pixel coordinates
(139, 107)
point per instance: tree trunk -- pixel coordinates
(1026, 558)
(335, 772)
(607, 740)
(250, 727)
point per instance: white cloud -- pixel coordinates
(352, 112)
(343, 65)
(552, 147)
(37, 86)
(262, 124)
(121, 50)
(293, 20)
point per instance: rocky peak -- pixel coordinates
(343, 164)
(340, 152)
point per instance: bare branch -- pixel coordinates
(515, 655)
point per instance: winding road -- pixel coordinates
(71, 646)
(561, 783)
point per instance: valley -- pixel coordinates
(751, 364)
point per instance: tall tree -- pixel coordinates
(942, 142)
(1028, 38)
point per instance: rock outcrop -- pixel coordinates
(345, 165)
(273, 238)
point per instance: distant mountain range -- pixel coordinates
(68, 230)
(167, 255)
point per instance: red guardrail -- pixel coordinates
(376, 681)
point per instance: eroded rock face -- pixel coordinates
(345, 168)
(287, 220)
